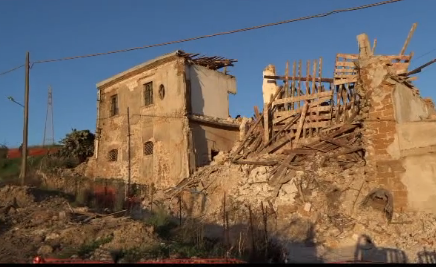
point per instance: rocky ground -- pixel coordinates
(225, 209)
(35, 222)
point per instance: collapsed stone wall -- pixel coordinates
(327, 197)
(330, 195)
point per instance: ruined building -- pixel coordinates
(369, 112)
(158, 121)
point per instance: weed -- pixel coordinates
(87, 249)
(81, 198)
(162, 222)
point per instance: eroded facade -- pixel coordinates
(158, 121)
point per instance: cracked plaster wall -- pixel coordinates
(163, 123)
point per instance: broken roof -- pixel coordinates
(213, 63)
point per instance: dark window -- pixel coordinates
(114, 105)
(148, 93)
(213, 154)
(161, 92)
(148, 148)
(113, 155)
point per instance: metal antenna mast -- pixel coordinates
(49, 126)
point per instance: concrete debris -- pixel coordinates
(315, 156)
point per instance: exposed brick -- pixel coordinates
(388, 114)
(375, 115)
(381, 152)
(382, 168)
(385, 175)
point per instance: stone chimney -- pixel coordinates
(269, 86)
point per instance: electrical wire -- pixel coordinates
(215, 34)
(11, 70)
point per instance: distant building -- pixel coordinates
(179, 119)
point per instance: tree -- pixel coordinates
(3, 152)
(78, 144)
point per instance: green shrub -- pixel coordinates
(162, 222)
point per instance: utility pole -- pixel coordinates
(23, 172)
(128, 154)
(49, 125)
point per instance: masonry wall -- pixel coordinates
(210, 91)
(417, 144)
(397, 140)
(208, 138)
(163, 123)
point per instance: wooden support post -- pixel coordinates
(24, 150)
(294, 66)
(299, 81)
(286, 84)
(129, 156)
(307, 77)
(266, 122)
(374, 46)
(320, 89)
(320, 75)
(305, 132)
(300, 125)
(364, 46)
(409, 37)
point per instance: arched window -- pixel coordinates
(113, 155)
(148, 148)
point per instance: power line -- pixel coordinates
(11, 70)
(217, 34)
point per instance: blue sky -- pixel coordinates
(53, 29)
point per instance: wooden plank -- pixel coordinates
(286, 83)
(374, 46)
(300, 125)
(409, 37)
(266, 128)
(348, 56)
(345, 64)
(294, 66)
(309, 117)
(275, 179)
(346, 76)
(320, 124)
(350, 70)
(307, 77)
(288, 124)
(283, 115)
(241, 146)
(320, 74)
(335, 142)
(338, 101)
(280, 143)
(303, 97)
(297, 151)
(256, 112)
(314, 76)
(258, 163)
(299, 81)
(303, 79)
(344, 81)
(321, 89)
(395, 58)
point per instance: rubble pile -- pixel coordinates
(327, 194)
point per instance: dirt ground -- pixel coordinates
(37, 222)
